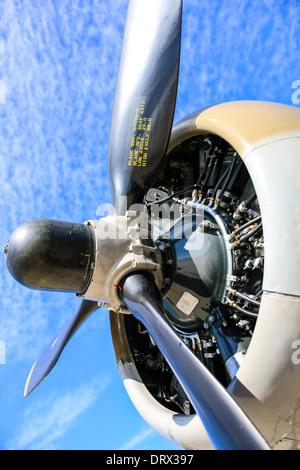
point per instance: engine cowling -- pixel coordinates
(232, 296)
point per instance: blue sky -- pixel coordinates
(58, 68)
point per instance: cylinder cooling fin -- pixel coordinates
(213, 253)
(207, 224)
(225, 163)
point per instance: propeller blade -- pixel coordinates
(51, 353)
(226, 424)
(145, 97)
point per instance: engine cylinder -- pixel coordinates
(51, 255)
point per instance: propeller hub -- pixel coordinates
(51, 255)
(89, 259)
(200, 267)
(123, 245)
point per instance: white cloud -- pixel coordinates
(143, 435)
(44, 423)
(237, 50)
(58, 61)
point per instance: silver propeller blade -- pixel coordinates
(145, 96)
(53, 350)
(226, 424)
